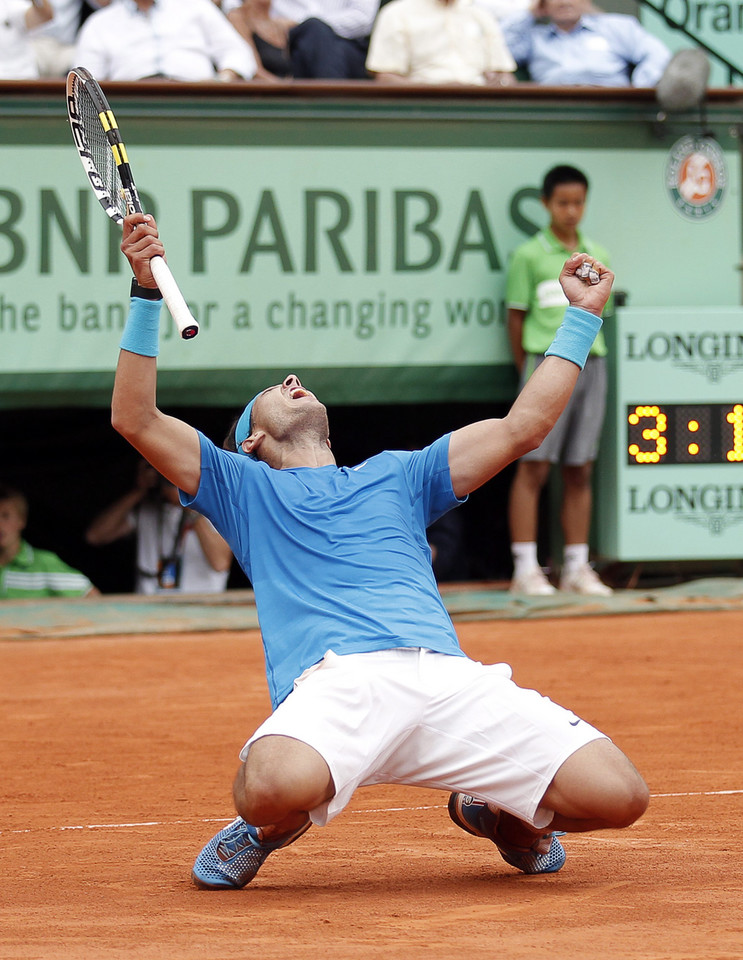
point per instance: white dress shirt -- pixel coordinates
(188, 40)
(17, 60)
(65, 23)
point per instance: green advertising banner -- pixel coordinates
(373, 266)
(669, 478)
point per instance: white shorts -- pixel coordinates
(426, 719)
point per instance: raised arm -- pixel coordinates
(169, 444)
(114, 521)
(479, 451)
(649, 55)
(39, 12)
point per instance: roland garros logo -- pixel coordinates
(696, 177)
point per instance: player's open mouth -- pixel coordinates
(297, 393)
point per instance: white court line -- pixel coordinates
(702, 793)
(439, 806)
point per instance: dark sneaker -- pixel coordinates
(545, 855)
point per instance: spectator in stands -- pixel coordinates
(26, 572)
(563, 42)
(54, 42)
(438, 41)
(177, 549)
(307, 39)
(17, 60)
(187, 40)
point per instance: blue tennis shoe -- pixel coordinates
(545, 855)
(231, 858)
(234, 855)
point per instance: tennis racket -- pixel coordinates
(105, 161)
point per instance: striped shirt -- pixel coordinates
(40, 573)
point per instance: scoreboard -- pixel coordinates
(669, 478)
(685, 433)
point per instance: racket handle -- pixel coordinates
(173, 297)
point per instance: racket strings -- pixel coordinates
(100, 150)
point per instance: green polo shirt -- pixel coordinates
(40, 573)
(532, 285)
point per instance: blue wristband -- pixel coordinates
(142, 331)
(575, 336)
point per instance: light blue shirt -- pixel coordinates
(337, 556)
(601, 50)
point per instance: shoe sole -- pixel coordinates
(527, 862)
(204, 885)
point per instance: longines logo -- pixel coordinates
(709, 505)
(713, 354)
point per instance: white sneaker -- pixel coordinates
(533, 583)
(584, 580)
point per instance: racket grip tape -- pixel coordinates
(179, 310)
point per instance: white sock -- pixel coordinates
(524, 557)
(575, 555)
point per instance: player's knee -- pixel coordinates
(639, 801)
(260, 797)
(630, 799)
(598, 783)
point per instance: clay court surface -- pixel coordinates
(118, 755)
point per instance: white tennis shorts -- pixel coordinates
(426, 719)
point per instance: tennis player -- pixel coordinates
(367, 679)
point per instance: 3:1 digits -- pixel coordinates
(685, 433)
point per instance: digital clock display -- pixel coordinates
(660, 433)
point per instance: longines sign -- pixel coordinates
(713, 507)
(711, 354)
(670, 471)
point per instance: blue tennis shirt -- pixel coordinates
(337, 556)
